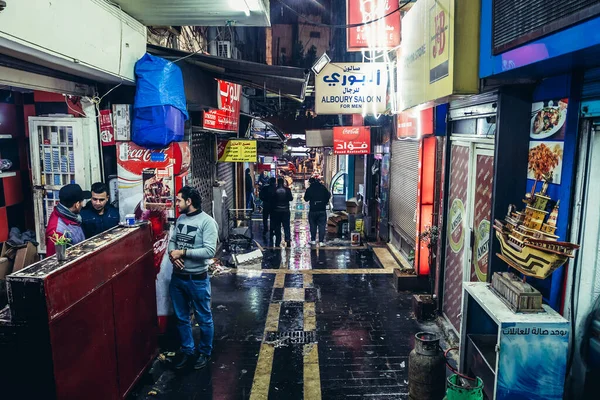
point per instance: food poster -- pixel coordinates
(482, 214)
(456, 222)
(532, 361)
(547, 135)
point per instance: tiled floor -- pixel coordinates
(312, 323)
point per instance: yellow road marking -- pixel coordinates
(262, 375)
(310, 317)
(312, 378)
(363, 271)
(272, 324)
(307, 281)
(293, 294)
(279, 281)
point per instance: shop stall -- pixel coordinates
(85, 326)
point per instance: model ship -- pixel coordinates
(527, 238)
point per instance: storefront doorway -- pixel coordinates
(468, 219)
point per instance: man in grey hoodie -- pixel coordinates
(192, 245)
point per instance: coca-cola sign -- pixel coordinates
(135, 159)
(352, 140)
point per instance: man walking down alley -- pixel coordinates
(249, 185)
(266, 194)
(192, 245)
(318, 196)
(281, 213)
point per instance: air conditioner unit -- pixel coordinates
(224, 49)
(89, 38)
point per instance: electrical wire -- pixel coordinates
(345, 26)
(451, 368)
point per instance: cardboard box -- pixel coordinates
(122, 115)
(5, 267)
(22, 256)
(352, 207)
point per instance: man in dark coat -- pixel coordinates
(281, 213)
(249, 186)
(318, 196)
(98, 215)
(267, 194)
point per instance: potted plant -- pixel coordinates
(60, 243)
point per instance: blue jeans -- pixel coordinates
(197, 294)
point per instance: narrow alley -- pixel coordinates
(310, 323)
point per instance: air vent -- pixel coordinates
(517, 22)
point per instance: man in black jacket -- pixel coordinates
(281, 213)
(249, 186)
(266, 194)
(98, 215)
(318, 196)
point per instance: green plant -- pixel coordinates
(430, 235)
(60, 240)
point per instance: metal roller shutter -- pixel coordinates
(226, 174)
(404, 175)
(202, 171)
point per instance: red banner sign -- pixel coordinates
(227, 117)
(107, 132)
(415, 123)
(382, 34)
(351, 140)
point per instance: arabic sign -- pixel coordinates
(351, 88)
(438, 57)
(382, 34)
(415, 123)
(227, 117)
(107, 132)
(237, 150)
(351, 140)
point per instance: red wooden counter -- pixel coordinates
(85, 327)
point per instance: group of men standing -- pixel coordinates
(192, 245)
(77, 222)
(276, 198)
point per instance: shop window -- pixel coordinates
(339, 186)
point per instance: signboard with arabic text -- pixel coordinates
(351, 140)
(439, 53)
(227, 117)
(383, 34)
(351, 88)
(237, 151)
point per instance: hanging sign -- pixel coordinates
(227, 117)
(351, 88)
(351, 140)
(237, 151)
(383, 34)
(415, 123)
(107, 132)
(438, 56)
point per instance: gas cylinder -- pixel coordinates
(461, 389)
(426, 368)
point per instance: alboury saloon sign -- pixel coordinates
(352, 88)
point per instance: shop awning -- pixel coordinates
(289, 82)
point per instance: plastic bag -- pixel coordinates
(159, 82)
(156, 127)
(159, 110)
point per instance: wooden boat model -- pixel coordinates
(527, 240)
